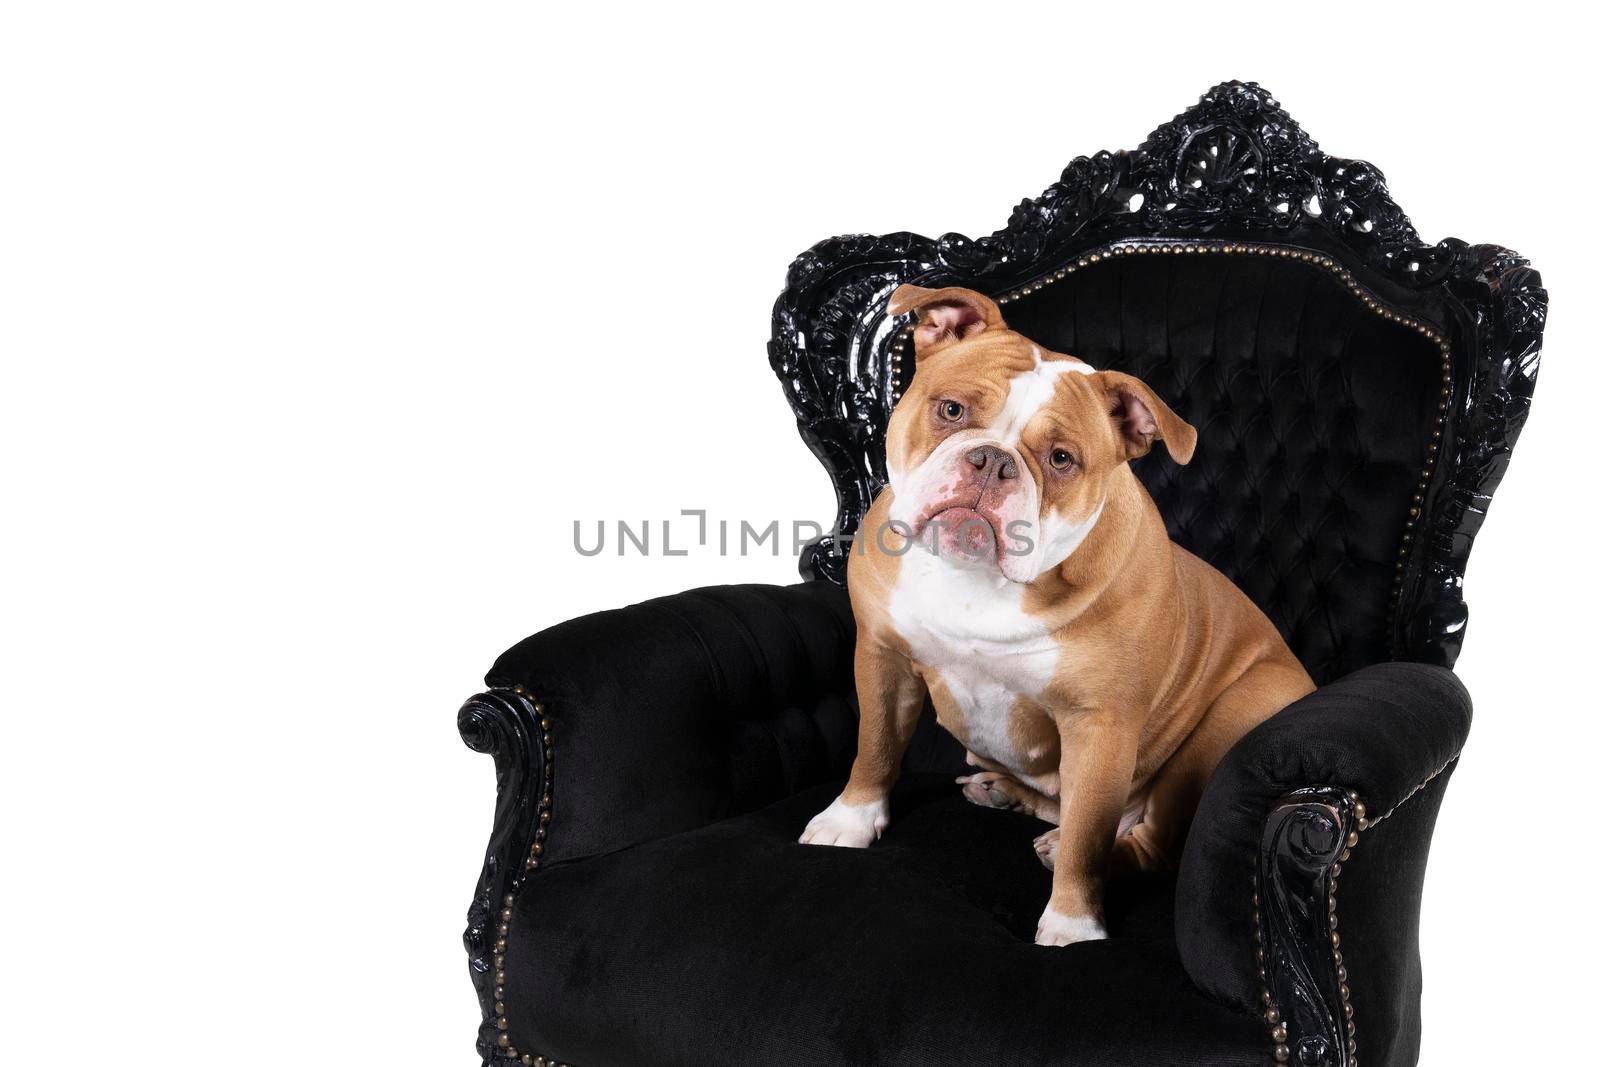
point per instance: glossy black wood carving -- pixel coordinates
(1233, 166)
(1304, 837)
(504, 724)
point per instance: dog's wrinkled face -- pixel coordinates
(1001, 452)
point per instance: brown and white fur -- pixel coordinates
(1017, 571)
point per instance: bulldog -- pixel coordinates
(1015, 570)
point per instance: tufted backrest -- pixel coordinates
(1357, 390)
(1314, 414)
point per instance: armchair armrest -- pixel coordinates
(667, 715)
(677, 711)
(1274, 914)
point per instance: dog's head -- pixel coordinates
(1001, 453)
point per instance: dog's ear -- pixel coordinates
(1140, 418)
(945, 316)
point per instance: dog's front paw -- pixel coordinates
(1058, 929)
(847, 825)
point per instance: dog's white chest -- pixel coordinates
(967, 623)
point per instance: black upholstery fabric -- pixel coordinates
(1381, 887)
(1313, 415)
(688, 708)
(735, 945)
(711, 702)
(1381, 731)
(675, 919)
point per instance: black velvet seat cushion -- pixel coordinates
(733, 944)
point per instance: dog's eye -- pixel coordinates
(951, 411)
(1060, 459)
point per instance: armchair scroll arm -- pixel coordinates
(1279, 912)
(666, 715)
(509, 725)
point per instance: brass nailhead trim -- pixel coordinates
(1360, 811)
(897, 353)
(506, 1049)
(1420, 786)
(1316, 259)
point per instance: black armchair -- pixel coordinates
(1358, 393)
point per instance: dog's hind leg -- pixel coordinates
(996, 789)
(1156, 840)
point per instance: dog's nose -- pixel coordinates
(993, 458)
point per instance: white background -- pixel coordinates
(323, 321)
